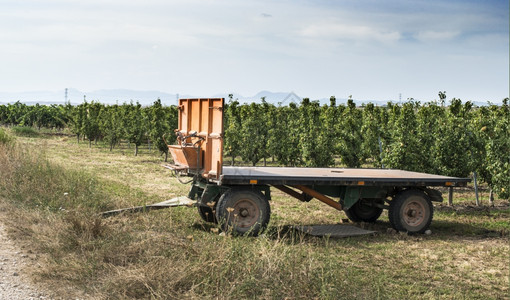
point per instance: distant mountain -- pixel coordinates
(120, 96)
(76, 97)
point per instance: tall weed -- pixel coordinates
(24, 131)
(29, 179)
(5, 138)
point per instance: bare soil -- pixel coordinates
(14, 280)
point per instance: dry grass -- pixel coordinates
(173, 254)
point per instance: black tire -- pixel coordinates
(243, 211)
(362, 211)
(207, 213)
(411, 211)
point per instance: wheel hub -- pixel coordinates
(246, 213)
(414, 213)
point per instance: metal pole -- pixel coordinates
(476, 189)
(450, 196)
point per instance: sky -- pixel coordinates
(372, 50)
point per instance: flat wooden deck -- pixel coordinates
(334, 176)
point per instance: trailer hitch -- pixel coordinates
(174, 202)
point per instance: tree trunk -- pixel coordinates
(90, 143)
(491, 198)
(78, 137)
(136, 150)
(166, 156)
(265, 162)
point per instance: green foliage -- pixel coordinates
(5, 138)
(90, 125)
(158, 126)
(497, 149)
(24, 131)
(452, 149)
(449, 140)
(371, 133)
(76, 117)
(404, 149)
(431, 118)
(135, 125)
(350, 136)
(232, 128)
(110, 124)
(253, 133)
(316, 143)
(284, 135)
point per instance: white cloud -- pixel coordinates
(350, 32)
(433, 36)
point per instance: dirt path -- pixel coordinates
(14, 283)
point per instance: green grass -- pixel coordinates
(172, 253)
(5, 138)
(24, 131)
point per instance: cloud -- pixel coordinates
(433, 36)
(249, 45)
(337, 31)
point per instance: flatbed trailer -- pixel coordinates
(238, 197)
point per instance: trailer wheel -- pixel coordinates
(244, 212)
(207, 213)
(411, 211)
(364, 211)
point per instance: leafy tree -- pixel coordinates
(158, 127)
(253, 133)
(3, 114)
(16, 112)
(430, 118)
(90, 125)
(267, 122)
(110, 124)
(497, 149)
(371, 132)
(315, 145)
(403, 151)
(232, 127)
(452, 149)
(135, 129)
(350, 143)
(77, 116)
(284, 135)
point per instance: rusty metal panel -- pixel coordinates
(205, 117)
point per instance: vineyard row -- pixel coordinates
(455, 139)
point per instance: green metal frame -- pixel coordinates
(349, 195)
(204, 192)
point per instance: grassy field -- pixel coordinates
(52, 189)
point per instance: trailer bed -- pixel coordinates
(333, 176)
